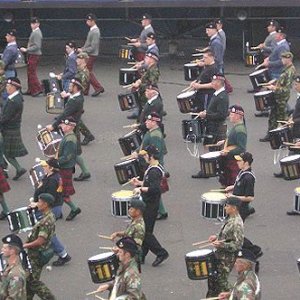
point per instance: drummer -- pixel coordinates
(228, 242)
(247, 285)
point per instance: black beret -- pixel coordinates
(48, 198)
(211, 25)
(52, 162)
(77, 82)
(152, 87)
(281, 30)
(218, 77)
(273, 23)
(154, 117)
(13, 240)
(151, 35)
(236, 109)
(91, 16)
(247, 254)
(128, 244)
(69, 121)
(233, 201)
(152, 150)
(138, 204)
(12, 32)
(297, 77)
(14, 81)
(34, 20)
(71, 44)
(146, 17)
(246, 156)
(218, 21)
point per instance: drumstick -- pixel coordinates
(100, 297)
(106, 237)
(129, 181)
(200, 243)
(131, 125)
(267, 83)
(127, 157)
(282, 121)
(133, 68)
(218, 190)
(127, 38)
(258, 67)
(106, 248)
(131, 62)
(127, 86)
(209, 244)
(211, 298)
(255, 48)
(92, 293)
(193, 114)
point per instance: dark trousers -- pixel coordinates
(93, 80)
(150, 241)
(34, 86)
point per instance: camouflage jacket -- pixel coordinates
(151, 76)
(136, 230)
(84, 76)
(247, 287)
(44, 228)
(233, 234)
(127, 285)
(13, 283)
(284, 83)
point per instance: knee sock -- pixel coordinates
(14, 163)
(81, 164)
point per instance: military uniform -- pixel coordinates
(233, 234)
(136, 230)
(44, 228)
(154, 104)
(282, 96)
(13, 283)
(247, 287)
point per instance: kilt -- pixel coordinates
(67, 182)
(12, 143)
(229, 170)
(4, 186)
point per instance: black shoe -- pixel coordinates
(164, 113)
(162, 216)
(96, 93)
(160, 259)
(5, 173)
(132, 117)
(262, 114)
(199, 175)
(73, 214)
(265, 139)
(257, 267)
(87, 139)
(82, 177)
(278, 175)
(26, 93)
(19, 174)
(61, 261)
(251, 211)
(292, 213)
(259, 254)
(59, 217)
(3, 215)
(37, 94)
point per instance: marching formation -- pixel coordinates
(206, 100)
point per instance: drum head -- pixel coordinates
(213, 154)
(186, 95)
(123, 194)
(279, 129)
(199, 253)
(258, 72)
(126, 162)
(132, 133)
(128, 70)
(26, 208)
(190, 65)
(263, 93)
(213, 197)
(290, 158)
(101, 256)
(297, 190)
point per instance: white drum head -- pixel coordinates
(290, 158)
(128, 70)
(20, 209)
(126, 162)
(186, 95)
(263, 93)
(279, 129)
(212, 197)
(212, 154)
(190, 65)
(52, 75)
(258, 72)
(199, 253)
(297, 190)
(123, 194)
(101, 256)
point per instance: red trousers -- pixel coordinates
(34, 86)
(93, 80)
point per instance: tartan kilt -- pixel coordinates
(67, 182)
(12, 143)
(229, 170)
(4, 186)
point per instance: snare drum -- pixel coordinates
(55, 104)
(21, 219)
(264, 100)
(20, 61)
(127, 169)
(259, 76)
(290, 167)
(36, 174)
(103, 267)
(128, 100)
(23, 258)
(51, 85)
(49, 141)
(209, 163)
(128, 76)
(213, 204)
(253, 58)
(280, 135)
(201, 264)
(192, 130)
(297, 200)
(120, 203)
(185, 101)
(130, 142)
(191, 71)
(125, 52)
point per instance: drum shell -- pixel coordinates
(186, 105)
(21, 60)
(22, 219)
(253, 58)
(297, 201)
(277, 137)
(51, 85)
(36, 174)
(192, 130)
(213, 209)
(127, 170)
(23, 259)
(263, 102)
(290, 169)
(201, 267)
(55, 104)
(128, 101)
(125, 52)
(210, 166)
(128, 76)
(258, 78)
(103, 270)
(129, 143)
(120, 204)
(49, 141)
(191, 72)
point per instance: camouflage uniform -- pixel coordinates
(2, 82)
(282, 96)
(233, 234)
(44, 228)
(13, 283)
(127, 284)
(247, 287)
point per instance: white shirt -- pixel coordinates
(13, 94)
(152, 99)
(273, 32)
(280, 42)
(148, 26)
(35, 29)
(94, 27)
(213, 36)
(12, 43)
(75, 95)
(71, 53)
(217, 92)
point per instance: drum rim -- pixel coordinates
(258, 72)
(103, 255)
(204, 252)
(129, 69)
(124, 163)
(263, 93)
(24, 208)
(187, 94)
(209, 154)
(296, 157)
(128, 196)
(279, 129)
(190, 65)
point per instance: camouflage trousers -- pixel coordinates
(219, 283)
(83, 129)
(34, 285)
(278, 111)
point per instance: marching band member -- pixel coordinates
(34, 51)
(10, 123)
(228, 242)
(281, 93)
(38, 244)
(221, 32)
(127, 284)
(4, 187)
(10, 54)
(247, 285)
(91, 47)
(13, 280)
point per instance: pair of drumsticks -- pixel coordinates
(206, 243)
(95, 292)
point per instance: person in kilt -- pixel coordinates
(10, 122)
(4, 187)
